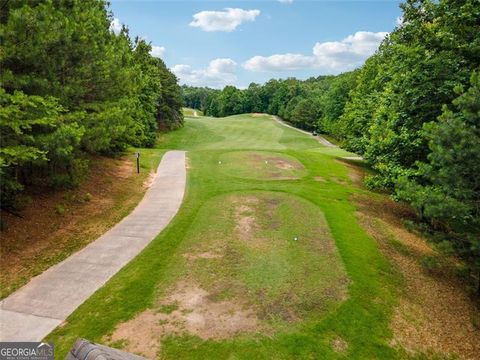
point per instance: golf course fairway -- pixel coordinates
(265, 259)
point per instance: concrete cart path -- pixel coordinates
(320, 139)
(33, 311)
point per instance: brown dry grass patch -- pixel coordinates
(245, 218)
(203, 255)
(277, 166)
(229, 283)
(355, 172)
(434, 314)
(193, 312)
(262, 165)
(42, 237)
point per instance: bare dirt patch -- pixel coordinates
(262, 165)
(283, 163)
(244, 274)
(277, 167)
(44, 235)
(355, 172)
(435, 313)
(320, 179)
(195, 313)
(245, 218)
(339, 345)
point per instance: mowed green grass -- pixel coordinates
(321, 212)
(191, 112)
(267, 251)
(236, 132)
(261, 165)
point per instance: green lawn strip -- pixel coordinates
(195, 134)
(362, 321)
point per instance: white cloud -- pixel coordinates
(399, 21)
(348, 53)
(227, 20)
(116, 26)
(281, 62)
(332, 56)
(220, 72)
(286, 1)
(157, 51)
(222, 66)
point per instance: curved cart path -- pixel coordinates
(320, 138)
(33, 311)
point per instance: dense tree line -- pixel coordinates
(313, 104)
(70, 86)
(412, 111)
(196, 97)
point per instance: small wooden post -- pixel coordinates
(137, 155)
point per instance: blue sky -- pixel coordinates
(216, 43)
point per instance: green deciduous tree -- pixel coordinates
(446, 188)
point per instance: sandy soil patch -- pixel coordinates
(195, 313)
(435, 313)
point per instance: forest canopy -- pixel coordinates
(70, 87)
(412, 111)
